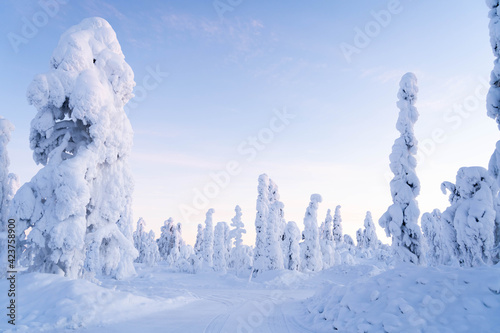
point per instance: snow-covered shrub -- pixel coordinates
(400, 220)
(472, 215)
(292, 241)
(78, 205)
(311, 252)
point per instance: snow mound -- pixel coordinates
(50, 303)
(412, 299)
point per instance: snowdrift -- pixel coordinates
(53, 303)
(410, 298)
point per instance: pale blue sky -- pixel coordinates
(226, 78)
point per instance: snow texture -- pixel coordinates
(78, 205)
(400, 220)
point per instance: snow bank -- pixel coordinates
(50, 303)
(412, 299)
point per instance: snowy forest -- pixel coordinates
(79, 253)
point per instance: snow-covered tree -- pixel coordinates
(261, 260)
(140, 237)
(170, 241)
(219, 257)
(348, 240)
(400, 220)
(241, 255)
(239, 227)
(208, 239)
(227, 242)
(311, 253)
(274, 220)
(359, 238)
(326, 241)
(370, 239)
(151, 252)
(337, 227)
(78, 205)
(9, 184)
(198, 246)
(472, 215)
(165, 238)
(493, 107)
(440, 237)
(292, 240)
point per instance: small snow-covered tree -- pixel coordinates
(219, 257)
(165, 240)
(326, 241)
(140, 237)
(227, 242)
(370, 239)
(239, 229)
(292, 240)
(170, 241)
(261, 255)
(241, 255)
(348, 240)
(78, 206)
(208, 239)
(400, 220)
(359, 238)
(472, 214)
(198, 246)
(337, 226)
(151, 252)
(440, 236)
(311, 253)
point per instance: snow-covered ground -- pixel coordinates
(367, 297)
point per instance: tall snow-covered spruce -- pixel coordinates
(400, 220)
(493, 107)
(311, 258)
(261, 255)
(78, 205)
